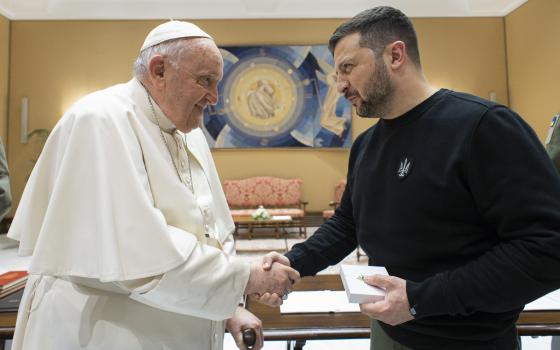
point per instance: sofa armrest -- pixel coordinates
(334, 204)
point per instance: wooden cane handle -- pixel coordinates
(249, 337)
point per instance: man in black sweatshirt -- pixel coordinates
(453, 194)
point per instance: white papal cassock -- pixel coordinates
(125, 256)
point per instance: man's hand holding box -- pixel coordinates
(381, 296)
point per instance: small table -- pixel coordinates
(298, 328)
(276, 222)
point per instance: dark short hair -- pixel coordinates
(379, 27)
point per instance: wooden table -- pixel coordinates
(298, 328)
(247, 222)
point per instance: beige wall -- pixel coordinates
(4, 75)
(533, 53)
(56, 62)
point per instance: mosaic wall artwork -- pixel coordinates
(278, 96)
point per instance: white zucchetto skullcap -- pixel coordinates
(173, 30)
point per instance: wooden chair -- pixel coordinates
(338, 191)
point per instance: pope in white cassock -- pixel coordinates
(126, 220)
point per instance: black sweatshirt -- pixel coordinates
(459, 198)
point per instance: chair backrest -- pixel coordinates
(267, 191)
(339, 190)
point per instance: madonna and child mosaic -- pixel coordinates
(278, 96)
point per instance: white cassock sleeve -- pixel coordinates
(204, 286)
(208, 285)
(228, 246)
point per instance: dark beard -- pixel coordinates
(378, 95)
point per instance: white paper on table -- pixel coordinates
(282, 217)
(550, 301)
(323, 301)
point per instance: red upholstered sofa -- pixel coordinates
(281, 197)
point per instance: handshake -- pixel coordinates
(271, 279)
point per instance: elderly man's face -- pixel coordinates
(192, 84)
(362, 77)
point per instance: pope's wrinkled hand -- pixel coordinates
(242, 320)
(395, 308)
(271, 299)
(277, 279)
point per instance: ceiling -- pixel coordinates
(245, 9)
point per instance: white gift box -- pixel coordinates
(357, 290)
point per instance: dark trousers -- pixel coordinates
(381, 341)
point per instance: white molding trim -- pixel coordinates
(242, 9)
(514, 5)
(6, 13)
